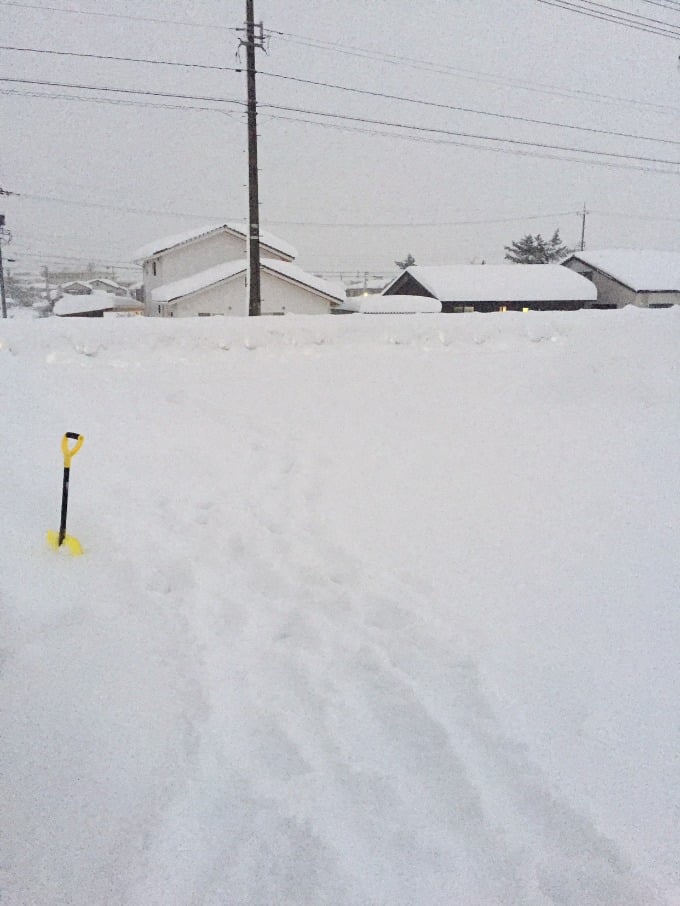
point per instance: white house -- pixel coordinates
(500, 287)
(221, 290)
(174, 258)
(646, 278)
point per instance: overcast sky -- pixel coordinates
(349, 199)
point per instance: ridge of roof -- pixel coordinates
(269, 240)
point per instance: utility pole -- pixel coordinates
(254, 39)
(5, 236)
(583, 227)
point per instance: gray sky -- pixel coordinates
(317, 179)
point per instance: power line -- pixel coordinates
(349, 224)
(350, 129)
(461, 144)
(351, 89)
(594, 13)
(137, 91)
(404, 61)
(84, 12)
(355, 119)
(438, 131)
(476, 75)
(613, 10)
(299, 223)
(93, 258)
(675, 8)
(117, 102)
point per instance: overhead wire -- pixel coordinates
(409, 127)
(353, 90)
(316, 223)
(494, 150)
(594, 13)
(445, 69)
(108, 15)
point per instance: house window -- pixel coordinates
(204, 314)
(159, 309)
(153, 268)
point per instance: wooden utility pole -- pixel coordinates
(252, 41)
(583, 227)
(4, 234)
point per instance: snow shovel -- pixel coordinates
(56, 539)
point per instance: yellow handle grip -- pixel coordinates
(70, 452)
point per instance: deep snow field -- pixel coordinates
(373, 611)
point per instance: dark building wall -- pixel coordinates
(512, 306)
(407, 285)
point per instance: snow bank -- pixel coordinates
(372, 610)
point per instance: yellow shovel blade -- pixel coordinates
(70, 543)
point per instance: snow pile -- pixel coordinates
(386, 305)
(372, 611)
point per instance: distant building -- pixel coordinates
(76, 288)
(503, 287)
(368, 286)
(646, 278)
(107, 286)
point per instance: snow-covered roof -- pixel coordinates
(82, 283)
(502, 283)
(106, 282)
(643, 270)
(196, 282)
(230, 269)
(268, 240)
(292, 272)
(385, 305)
(78, 305)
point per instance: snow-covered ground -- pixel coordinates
(373, 610)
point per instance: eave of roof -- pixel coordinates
(223, 273)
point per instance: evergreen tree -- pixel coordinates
(409, 261)
(537, 250)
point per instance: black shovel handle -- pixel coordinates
(69, 453)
